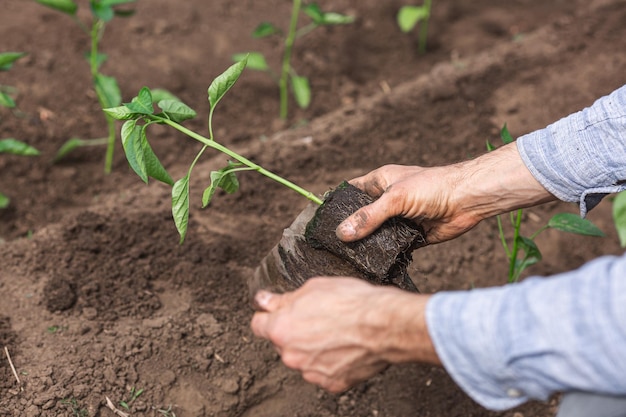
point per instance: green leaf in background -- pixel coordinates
(100, 58)
(102, 12)
(121, 113)
(159, 94)
(131, 141)
(572, 223)
(108, 91)
(142, 104)
(326, 18)
(619, 216)
(409, 16)
(16, 147)
(112, 3)
(490, 147)
(301, 91)
(265, 29)
(4, 201)
(532, 255)
(6, 100)
(65, 6)
(68, 147)
(176, 110)
(256, 60)
(180, 206)
(225, 178)
(8, 58)
(505, 135)
(225, 81)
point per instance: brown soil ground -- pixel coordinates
(98, 298)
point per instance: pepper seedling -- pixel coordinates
(300, 86)
(409, 16)
(139, 114)
(526, 246)
(106, 87)
(11, 145)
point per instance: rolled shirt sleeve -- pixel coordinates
(582, 157)
(504, 346)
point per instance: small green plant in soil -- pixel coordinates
(11, 145)
(522, 251)
(106, 87)
(409, 16)
(132, 396)
(619, 217)
(75, 408)
(139, 114)
(300, 86)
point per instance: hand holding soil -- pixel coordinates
(448, 201)
(340, 331)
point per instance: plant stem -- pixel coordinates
(108, 161)
(424, 28)
(289, 41)
(514, 250)
(215, 145)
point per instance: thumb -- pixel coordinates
(268, 301)
(364, 221)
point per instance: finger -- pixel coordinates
(370, 184)
(365, 220)
(259, 324)
(268, 301)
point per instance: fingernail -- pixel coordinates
(345, 229)
(263, 298)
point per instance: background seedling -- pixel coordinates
(409, 16)
(106, 87)
(299, 85)
(76, 409)
(11, 145)
(132, 396)
(619, 217)
(139, 114)
(522, 251)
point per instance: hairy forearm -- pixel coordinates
(496, 183)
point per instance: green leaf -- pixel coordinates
(16, 147)
(505, 135)
(532, 255)
(225, 81)
(265, 29)
(112, 3)
(572, 223)
(8, 58)
(108, 91)
(180, 206)
(332, 18)
(176, 110)
(301, 91)
(142, 104)
(153, 165)
(6, 100)
(225, 178)
(68, 147)
(314, 12)
(121, 113)
(256, 60)
(65, 6)
(131, 141)
(100, 58)
(619, 216)
(490, 147)
(4, 201)
(159, 94)
(124, 13)
(104, 13)
(409, 16)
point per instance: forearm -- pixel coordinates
(496, 183)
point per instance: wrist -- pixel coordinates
(402, 335)
(497, 182)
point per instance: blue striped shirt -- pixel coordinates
(506, 345)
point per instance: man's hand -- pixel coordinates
(449, 200)
(341, 331)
